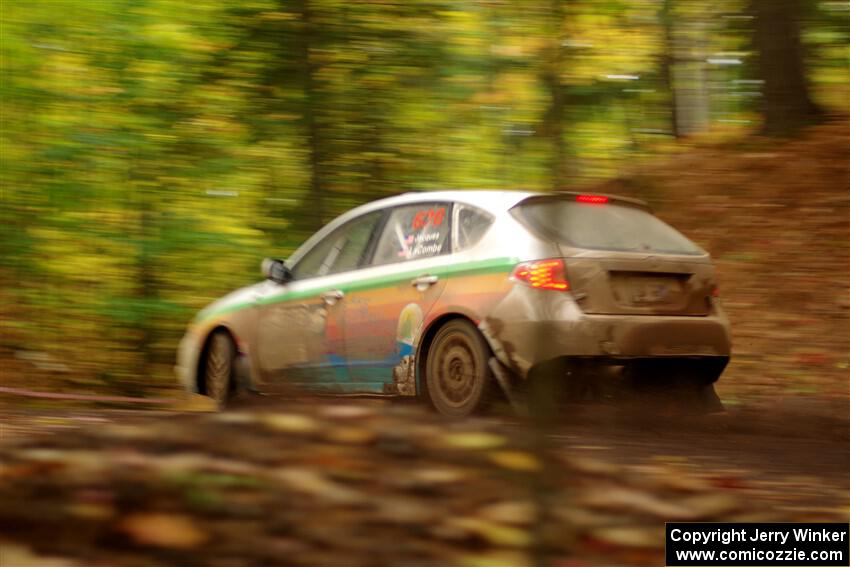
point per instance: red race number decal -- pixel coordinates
(434, 217)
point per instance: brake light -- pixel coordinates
(715, 291)
(592, 199)
(543, 274)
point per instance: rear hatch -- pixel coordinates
(619, 258)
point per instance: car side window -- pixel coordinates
(340, 251)
(355, 242)
(470, 225)
(414, 231)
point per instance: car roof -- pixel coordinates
(496, 202)
(489, 200)
(493, 201)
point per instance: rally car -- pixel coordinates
(454, 295)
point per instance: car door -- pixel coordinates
(301, 333)
(384, 311)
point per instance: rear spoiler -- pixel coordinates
(589, 198)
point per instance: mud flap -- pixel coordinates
(502, 354)
(503, 378)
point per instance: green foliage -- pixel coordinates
(153, 151)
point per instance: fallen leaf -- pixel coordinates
(347, 412)
(495, 559)
(515, 460)
(592, 466)
(630, 536)
(290, 422)
(432, 476)
(235, 418)
(492, 532)
(163, 530)
(12, 555)
(628, 499)
(672, 477)
(401, 510)
(91, 511)
(195, 403)
(712, 504)
(311, 482)
(473, 440)
(351, 436)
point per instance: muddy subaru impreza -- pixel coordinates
(456, 296)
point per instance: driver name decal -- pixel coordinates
(426, 244)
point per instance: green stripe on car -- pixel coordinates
(483, 267)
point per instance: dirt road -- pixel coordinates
(384, 484)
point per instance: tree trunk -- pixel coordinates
(689, 78)
(313, 211)
(550, 76)
(668, 62)
(786, 104)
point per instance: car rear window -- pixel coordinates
(608, 226)
(470, 225)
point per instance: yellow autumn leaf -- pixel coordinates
(630, 536)
(473, 440)
(291, 423)
(492, 532)
(163, 530)
(515, 460)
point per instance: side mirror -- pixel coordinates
(276, 271)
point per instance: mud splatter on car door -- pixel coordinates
(384, 315)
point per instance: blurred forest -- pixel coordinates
(153, 151)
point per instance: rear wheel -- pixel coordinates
(456, 370)
(218, 368)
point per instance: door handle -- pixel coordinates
(332, 296)
(424, 281)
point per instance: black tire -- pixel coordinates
(218, 368)
(457, 375)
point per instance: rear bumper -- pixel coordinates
(531, 326)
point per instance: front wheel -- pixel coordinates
(218, 368)
(456, 371)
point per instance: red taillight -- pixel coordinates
(592, 199)
(543, 274)
(715, 291)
